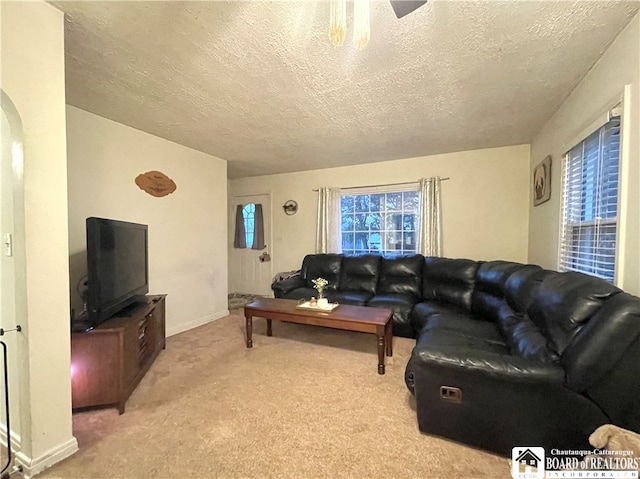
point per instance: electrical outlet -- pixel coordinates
(7, 240)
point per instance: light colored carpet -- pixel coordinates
(305, 403)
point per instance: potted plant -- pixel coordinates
(320, 284)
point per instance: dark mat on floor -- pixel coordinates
(239, 300)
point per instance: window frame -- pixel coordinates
(405, 239)
(592, 222)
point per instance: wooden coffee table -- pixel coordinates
(351, 318)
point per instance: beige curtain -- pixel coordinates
(328, 236)
(430, 236)
(239, 238)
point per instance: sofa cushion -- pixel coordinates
(423, 311)
(444, 359)
(564, 303)
(449, 280)
(402, 275)
(604, 340)
(300, 293)
(282, 288)
(325, 266)
(464, 325)
(488, 294)
(526, 341)
(617, 390)
(356, 298)
(401, 305)
(443, 340)
(521, 286)
(523, 336)
(360, 273)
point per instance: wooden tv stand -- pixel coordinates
(108, 362)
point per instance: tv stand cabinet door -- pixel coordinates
(130, 364)
(159, 324)
(95, 368)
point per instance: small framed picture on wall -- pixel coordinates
(542, 182)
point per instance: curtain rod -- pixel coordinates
(378, 186)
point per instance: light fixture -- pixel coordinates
(361, 26)
(338, 23)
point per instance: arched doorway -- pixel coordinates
(12, 265)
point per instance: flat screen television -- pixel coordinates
(117, 266)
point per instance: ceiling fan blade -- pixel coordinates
(404, 7)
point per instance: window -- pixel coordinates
(380, 222)
(590, 204)
(248, 216)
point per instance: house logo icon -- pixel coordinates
(527, 462)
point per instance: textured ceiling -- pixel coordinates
(259, 84)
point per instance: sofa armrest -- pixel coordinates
(495, 401)
(282, 288)
(487, 365)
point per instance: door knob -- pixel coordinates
(264, 257)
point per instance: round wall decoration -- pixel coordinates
(156, 183)
(290, 207)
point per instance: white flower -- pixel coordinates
(320, 284)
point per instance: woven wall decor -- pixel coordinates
(156, 183)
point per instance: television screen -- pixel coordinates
(117, 266)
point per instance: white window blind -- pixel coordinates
(590, 204)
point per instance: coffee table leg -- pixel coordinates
(249, 323)
(381, 348)
(269, 333)
(389, 339)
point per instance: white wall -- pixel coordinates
(187, 229)
(604, 84)
(32, 59)
(485, 203)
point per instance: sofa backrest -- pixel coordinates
(360, 273)
(603, 360)
(522, 285)
(564, 303)
(401, 275)
(325, 266)
(488, 293)
(603, 340)
(449, 280)
(522, 335)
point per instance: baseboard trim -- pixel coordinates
(15, 438)
(197, 322)
(33, 466)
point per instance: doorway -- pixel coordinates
(12, 264)
(250, 270)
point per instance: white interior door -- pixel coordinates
(251, 269)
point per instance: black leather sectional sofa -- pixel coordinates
(506, 354)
